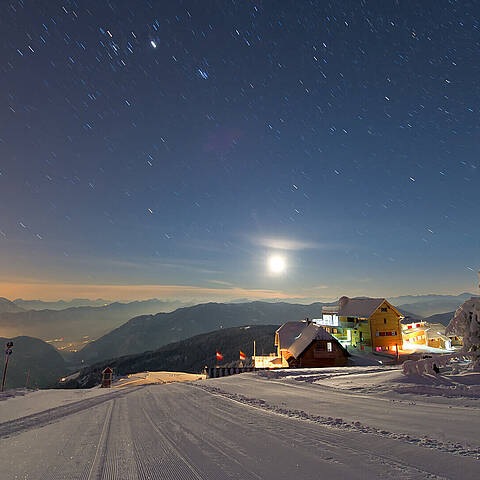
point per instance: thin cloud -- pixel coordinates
(285, 243)
(221, 282)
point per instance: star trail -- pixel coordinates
(174, 147)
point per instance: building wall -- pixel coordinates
(436, 343)
(317, 355)
(359, 335)
(269, 361)
(417, 337)
(382, 326)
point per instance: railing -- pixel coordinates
(216, 372)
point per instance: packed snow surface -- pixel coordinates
(359, 423)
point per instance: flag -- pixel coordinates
(242, 356)
(219, 356)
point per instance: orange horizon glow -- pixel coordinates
(65, 291)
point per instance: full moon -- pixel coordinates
(276, 264)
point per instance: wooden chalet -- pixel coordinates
(306, 345)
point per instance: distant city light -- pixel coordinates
(153, 44)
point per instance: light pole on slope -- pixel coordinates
(8, 352)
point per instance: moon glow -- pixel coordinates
(276, 264)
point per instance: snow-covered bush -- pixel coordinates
(466, 324)
(410, 367)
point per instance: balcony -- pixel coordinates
(330, 309)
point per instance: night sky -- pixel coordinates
(169, 148)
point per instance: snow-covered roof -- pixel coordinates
(358, 307)
(436, 330)
(288, 332)
(309, 333)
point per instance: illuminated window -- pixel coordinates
(329, 346)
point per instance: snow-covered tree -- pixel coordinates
(466, 324)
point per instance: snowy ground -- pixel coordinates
(305, 424)
(20, 403)
(149, 378)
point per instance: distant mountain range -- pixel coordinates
(32, 355)
(443, 318)
(74, 327)
(75, 323)
(60, 304)
(190, 355)
(150, 332)
(426, 305)
(7, 306)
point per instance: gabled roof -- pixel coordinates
(309, 333)
(288, 332)
(360, 307)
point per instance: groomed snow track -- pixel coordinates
(182, 432)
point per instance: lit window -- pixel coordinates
(329, 346)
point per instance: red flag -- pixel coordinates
(242, 356)
(219, 356)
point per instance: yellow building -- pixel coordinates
(428, 334)
(371, 324)
(414, 333)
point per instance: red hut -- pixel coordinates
(107, 375)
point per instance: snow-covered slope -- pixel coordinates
(332, 423)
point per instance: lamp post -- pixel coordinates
(8, 352)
